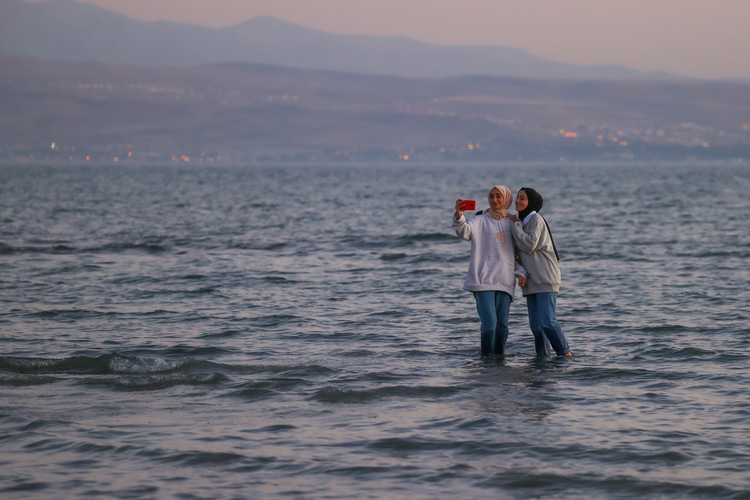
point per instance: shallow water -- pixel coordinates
(301, 332)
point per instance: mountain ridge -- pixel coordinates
(249, 112)
(66, 30)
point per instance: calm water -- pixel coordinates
(301, 332)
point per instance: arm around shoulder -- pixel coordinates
(527, 236)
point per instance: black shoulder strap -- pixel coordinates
(554, 247)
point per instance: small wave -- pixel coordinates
(252, 393)
(426, 237)
(62, 248)
(208, 290)
(614, 485)
(26, 486)
(281, 381)
(70, 314)
(623, 375)
(37, 424)
(222, 334)
(662, 329)
(387, 257)
(413, 444)
(683, 353)
(300, 370)
(195, 458)
(279, 280)
(105, 364)
(716, 255)
(53, 249)
(159, 312)
(125, 247)
(122, 364)
(154, 373)
(278, 428)
(410, 240)
(353, 396)
(193, 277)
(23, 380)
(275, 320)
(158, 381)
(259, 246)
(38, 366)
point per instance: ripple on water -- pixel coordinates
(164, 334)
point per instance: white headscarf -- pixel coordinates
(507, 200)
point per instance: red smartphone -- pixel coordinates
(468, 205)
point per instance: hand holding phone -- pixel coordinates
(462, 205)
(468, 205)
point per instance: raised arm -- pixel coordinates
(459, 213)
(463, 230)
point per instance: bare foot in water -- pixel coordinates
(568, 355)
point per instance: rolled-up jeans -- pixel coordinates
(493, 308)
(544, 325)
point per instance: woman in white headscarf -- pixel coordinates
(492, 266)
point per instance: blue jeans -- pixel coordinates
(493, 308)
(544, 325)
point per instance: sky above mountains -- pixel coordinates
(688, 37)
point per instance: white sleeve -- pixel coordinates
(463, 229)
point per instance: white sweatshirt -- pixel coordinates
(492, 265)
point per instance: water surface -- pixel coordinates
(301, 332)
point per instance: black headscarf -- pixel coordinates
(535, 205)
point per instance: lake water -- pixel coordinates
(301, 332)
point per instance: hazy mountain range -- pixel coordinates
(241, 112)
(65, 30)
(80, 83)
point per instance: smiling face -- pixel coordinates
(496, 200)
(522, 201)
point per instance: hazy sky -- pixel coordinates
(703, 38)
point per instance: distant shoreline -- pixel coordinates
(390, 164)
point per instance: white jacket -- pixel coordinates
(492, 265)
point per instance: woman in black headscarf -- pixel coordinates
(539, 257)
